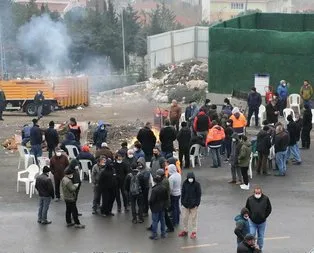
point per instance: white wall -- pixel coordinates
(177, 46)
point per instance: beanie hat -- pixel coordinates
(249, 237)
(85, 148)
(69, 170)
(46, 169)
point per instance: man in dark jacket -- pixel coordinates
(235, 169)
(263, 145)
(104, 151)
(70, 140)
(39, 102)
(306, 127)
(122, 171)
(254, 101)
(58, 164)
(282, 141)
(108, 187)
(130, 160)
(272, 112)
(260, 208)
(167, 137)
(100, 135)
(36, 139)
(201, 124)
(86, 155)
(2, 103)
(190, 113)
(294, 134)
(144, 179)
(248, 245)
(124, 149)
(190, 199)
(184, 138)
(148, 140)
(52, 138)
(242, 225)
(157, 161)
(45, 191)
(157, 202)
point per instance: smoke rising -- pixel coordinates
(47, 42)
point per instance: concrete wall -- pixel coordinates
(177, 46)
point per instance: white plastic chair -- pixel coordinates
(32, 189)
(25, 156)
(182, 118)
(294, 102)
(32, 171)
(42, 162)
(195, 153)
(72, 151)
(85, 169)
(286, 112)
(261, 115)
(253, 157)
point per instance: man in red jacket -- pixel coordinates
(201, 124)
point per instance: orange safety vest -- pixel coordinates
(178, 166)
(216, 133)
(240, 122)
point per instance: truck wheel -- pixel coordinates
(31, 109)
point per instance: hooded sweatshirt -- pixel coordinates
(245, 154)
(144, 175)
(191, 192)
(235, 149)
(242, 227)
(174, 181)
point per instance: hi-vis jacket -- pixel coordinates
(215, 136)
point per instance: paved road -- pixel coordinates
(290, 227)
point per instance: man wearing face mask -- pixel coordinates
(100, 134)
(157, 161)
(148, 140)
(58, 164)
(248, 245)
(242, 225)
(260, 208)
(96, 171)
(235, 169)
(130, 160)
(190, 199)
(283, 94)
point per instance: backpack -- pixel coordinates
(135, 187)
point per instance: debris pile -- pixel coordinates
(12, 142)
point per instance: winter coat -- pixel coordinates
(242, 227)
(215, 137)
(122, 171)
(282, 141)
(148, 140)
(191, 193)
(245, 154)
(239, 122)
(52, 137)
(191, 112)
(294, 133)
(36, 136)
(123, 151)
(108, 178)
(68, 189)
(228, 132)
(139, 153)
(70, 140)
(100, 136)
(263, 142)
(130, 162)
(2, 101)
(156, 163)
(235, 150)
(271, 117)
(201, 122)
(158, 198)
(167, 136)
(227, 109)
(306, 92)
(175, 112)
(44, 186)
(254, 100)
(58, 164)
(76, 130)
(282, 92)
(104, 151)
(39, 99)
(184, 138)
(197, 140)
(96, 171)
(144, 174)
(307, 119)
(259, 209)
(174, 181)
(213, 115)
(86, 156)
(243, 247)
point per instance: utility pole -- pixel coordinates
(123, 41)
(246, 3)
(2, 55)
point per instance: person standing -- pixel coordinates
(148, 140)
(283, 94)
(214, 139)
(175, 114)
(248, 245)
(45, 191)
(260, 208)
(184, 138)
(263, 145)
(156, 162)
(122, 171)
(58, 164)
(96, 171)
(52, 138)
(190, 199)
(201, 124)
(235, 169)
(254, 101)
(144, 179)
(36, 139)
(2, 103)
(294, 137)
(281, 145)
(175, 193)
(124, 149)
(306, 92)
(69, 194)
(306, 127)
(158, 202)
(138, 151)
(75, 129)
(207, 106)
(244, 161)
(190, 113)
(242, 225)
(39, 103)
(100, 135)
(228, 139)
(272, 112)
(130, 160)
(167, 137)
(238, 121)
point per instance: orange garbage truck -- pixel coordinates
(59, 93)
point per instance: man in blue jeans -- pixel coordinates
(260, 208)
(294, 133)
(46, 193)
(157, 202)
(36, 139)
(282, 140)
